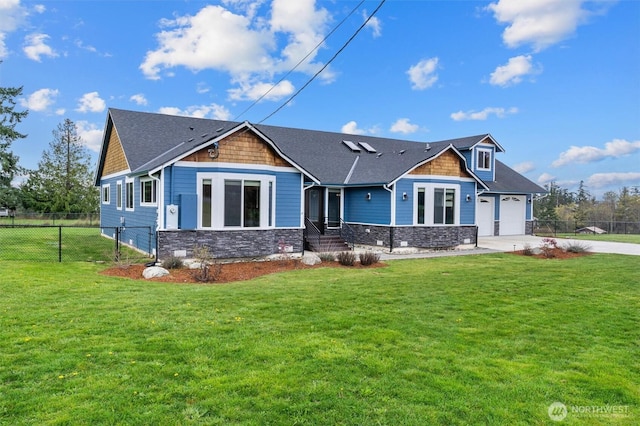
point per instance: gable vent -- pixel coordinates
(352, 146)
(367, 147)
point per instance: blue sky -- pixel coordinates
(556, 82)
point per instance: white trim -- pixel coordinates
(476, 156)
(131, 181)
(440, 178)
(119, 199)
(217, 187)
(115, 175)
(429, 188)
(106, 186)
(154, 195)
(219, 165)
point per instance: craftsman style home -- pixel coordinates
(247, 190)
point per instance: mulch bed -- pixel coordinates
(556, 253)
(229, 272)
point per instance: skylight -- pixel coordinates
(352, 146)
(367, 147)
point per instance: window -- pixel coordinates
(236, 200)
(484, 159)
(119, 195)
(437, 204)
(148, 192)
(129, 195)
(333, 208)
(106, 194)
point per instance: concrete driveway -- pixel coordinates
(517, 242)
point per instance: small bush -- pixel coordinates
(576, 247)
(172, 263)
(527, 250)
(327, 256)
(548, 247)
(369, 258)
(346, 258)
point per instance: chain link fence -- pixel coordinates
(555, 227)
(9, 217)
(49, 243)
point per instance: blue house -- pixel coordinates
(248, 190)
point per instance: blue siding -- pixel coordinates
(485, 175)
(358, 209)
(183, 180)
(404, 208)
(467, 208)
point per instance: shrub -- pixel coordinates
(327, 256)
(369, 258)
(576, 247)
(172, 262)
(548, 247)
(346, 258)
(527, 250)
(208, 270)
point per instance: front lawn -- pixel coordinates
(489, 339)
(614, 238)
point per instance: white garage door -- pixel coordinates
(485, 215)
(512, 214)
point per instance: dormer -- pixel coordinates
(480, 153)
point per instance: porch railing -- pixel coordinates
(311, 232)
(347, 233)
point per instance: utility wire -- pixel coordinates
(300, 62)
(325, 65)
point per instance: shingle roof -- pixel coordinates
(508, 180)
(153, 140)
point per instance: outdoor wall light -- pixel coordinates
(468, 197)
(368, 196)
(404, 196)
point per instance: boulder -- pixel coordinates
(154, 272)
(311, 259)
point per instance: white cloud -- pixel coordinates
(588, 154)
(13, 15)
(546, 178)
(91, 102)
(139, 99)
(599, 180)
(540, 23)
(251, 92)
(423, 74)
(214, 111)
(374, 24)
(36, 47)
(525, 167)
(241, 44)
(40, 100)
(91, 135)
(402, 125)
(352, 128)
(514, 70)
(484, 114)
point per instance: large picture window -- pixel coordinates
(243, 201)
(437, 204)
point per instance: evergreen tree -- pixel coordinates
(63, 182)
(9, 118)
(584, 202)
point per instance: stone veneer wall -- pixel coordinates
(528, 227)
(229, 244)
(418, 236)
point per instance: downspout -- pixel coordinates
(158, 210)
(393, 215)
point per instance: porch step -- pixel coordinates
(328, 243)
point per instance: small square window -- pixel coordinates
(484, 159)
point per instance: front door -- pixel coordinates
(314, 207)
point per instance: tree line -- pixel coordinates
(63, 180)
(583, 208)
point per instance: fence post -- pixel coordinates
(117, 250)
(59, 243)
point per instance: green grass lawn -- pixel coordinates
(616, 238)
(489, 339)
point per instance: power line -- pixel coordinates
(325, 65)
(300, 62)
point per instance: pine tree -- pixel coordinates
(63, 182)
(9, 118)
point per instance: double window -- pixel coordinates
(236, 200)
(437, 204)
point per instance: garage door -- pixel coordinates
(512, 214)
(484, 214)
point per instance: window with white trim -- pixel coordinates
(129, 195)
(106, 194)
(483, 161)
(233, 200)
(436, 204)
(148, 192)
(119, 195)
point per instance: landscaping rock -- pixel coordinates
(154, 272)
(311, 259)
